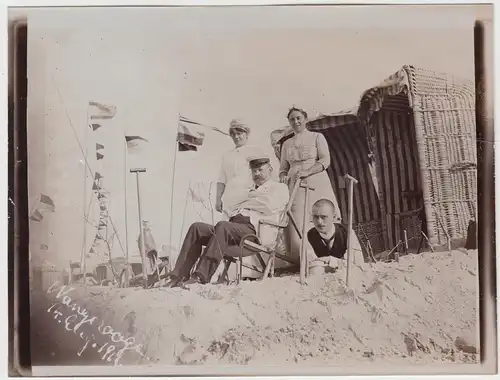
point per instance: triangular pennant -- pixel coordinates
(95, 126)
(44, 247)
(97, 176)
(99, 155)
(36, 216)
(47, 203)
(99, 146)
(96, 187)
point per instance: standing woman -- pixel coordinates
(234, 179)
(304, 156)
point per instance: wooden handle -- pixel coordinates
(292, 195)
(306, 186)
(351, 178)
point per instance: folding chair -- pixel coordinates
(252, 245)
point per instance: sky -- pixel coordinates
(211, 65)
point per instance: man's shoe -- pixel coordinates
(174, 282)
(193, 280)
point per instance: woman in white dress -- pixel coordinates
(234, 179)
(304, 156)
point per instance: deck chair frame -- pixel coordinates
(251, 245)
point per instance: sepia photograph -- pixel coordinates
(254, 190)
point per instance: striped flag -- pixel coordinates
(46, 203)
(135, 144)
(36, 216)
(189, 137)
(185, 120)
(99, 111)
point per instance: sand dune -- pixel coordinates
(421, 310)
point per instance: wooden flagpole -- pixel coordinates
(83, 256)
(125, 188)
(188, 193)
(172, 190)
(141, 231)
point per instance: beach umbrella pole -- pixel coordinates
(141, 232)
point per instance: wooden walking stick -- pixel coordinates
(303, 253)
(351, 181)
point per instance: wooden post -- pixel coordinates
(351, 181)
(141, 233)
(406, 242)
(303, 254)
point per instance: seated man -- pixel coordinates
(267, 199)
(329, 239)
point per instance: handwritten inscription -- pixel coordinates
(118, 343)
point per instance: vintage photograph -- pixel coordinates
(254, 187)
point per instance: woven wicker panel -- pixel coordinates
(370, 231)
(413, 227)
(444, 114)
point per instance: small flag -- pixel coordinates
(189, 121)
(102, 224)
(99, 156)
(97, 176)
(91, 250)
(135, 143)
(47, 203)
(101, 111)
(95, 126)
(99, 146)
(44, 247)
(36, 216)
(190, 135)
(96, 187)
(98, 237)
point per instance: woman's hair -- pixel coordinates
(296, 109)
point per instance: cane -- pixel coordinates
(352, 181)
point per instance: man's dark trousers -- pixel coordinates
(216, 239)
